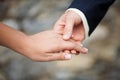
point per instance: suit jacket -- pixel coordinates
(94, 10)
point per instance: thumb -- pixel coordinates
(68, 28)
(59, 56)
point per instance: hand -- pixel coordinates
(71, 27)
(46, 46)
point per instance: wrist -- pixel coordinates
(23, 46)
(13, 39)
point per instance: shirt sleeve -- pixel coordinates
(94, 10)
(84, 20)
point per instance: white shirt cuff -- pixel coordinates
(84, 20)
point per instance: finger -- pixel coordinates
(71, 45)
(59, 25)
(68, 27)
(59, 29)
(59, 56)
(66, 51)
(73, 51)
(67, 45)
(81, 49)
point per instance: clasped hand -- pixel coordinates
(60, 43)
(50, 46)
(57, 44)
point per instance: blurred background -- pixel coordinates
(33, 16)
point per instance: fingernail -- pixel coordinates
(86, 50)
(68, 56)
(66, 36)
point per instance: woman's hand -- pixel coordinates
(48, 46)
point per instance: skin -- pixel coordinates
(52, 44)
(71, 27)
(44, 46)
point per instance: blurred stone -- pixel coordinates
(63, 75)
(77, 63)
(100, 33)
(3, 10)
(2, 77)
(87, 76)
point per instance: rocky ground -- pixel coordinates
(32, 16)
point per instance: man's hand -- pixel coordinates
(46, 46)
(71, 26)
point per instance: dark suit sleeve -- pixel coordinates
(94, 10)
